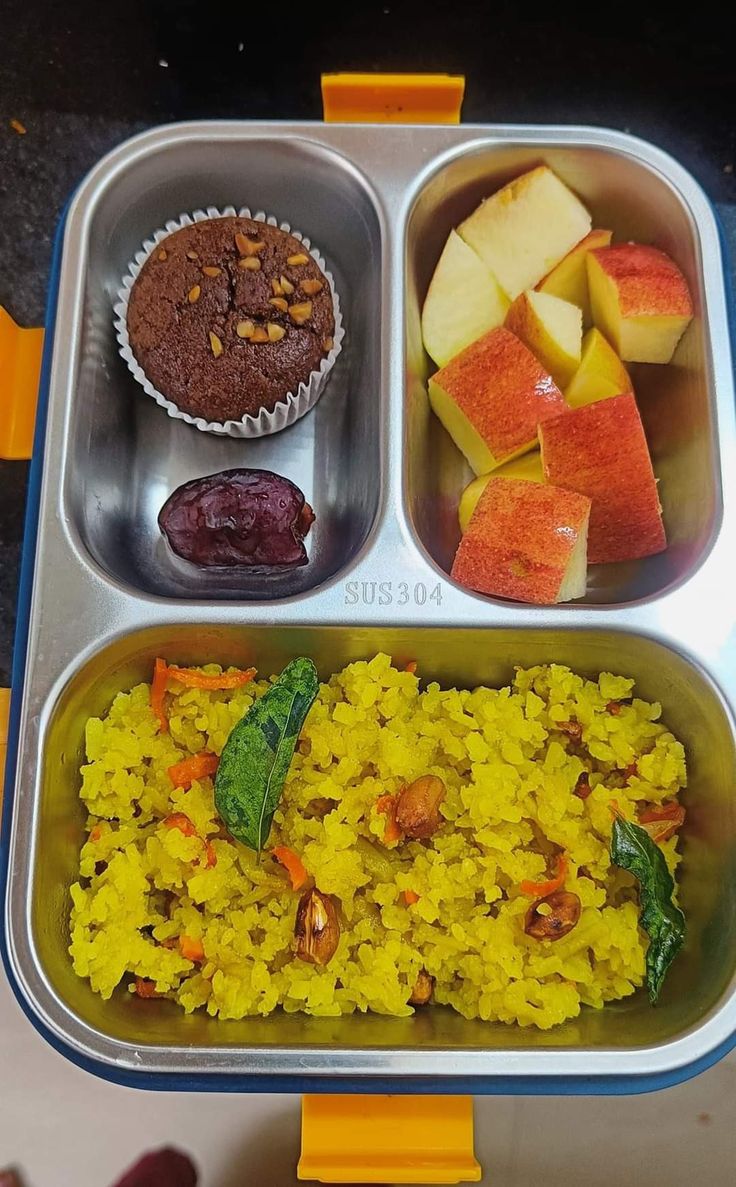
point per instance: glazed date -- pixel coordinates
(238, 517)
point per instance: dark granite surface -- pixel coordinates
(83, 76)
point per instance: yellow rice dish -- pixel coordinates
(530, 772)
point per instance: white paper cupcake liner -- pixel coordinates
(294, 405)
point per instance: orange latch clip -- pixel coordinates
(392, 98)
(20, 371)
(4, 713)
(388, 1139)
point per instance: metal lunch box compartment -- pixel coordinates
(697, 1005)
(631, 197)
(107, 599)
(124, 457)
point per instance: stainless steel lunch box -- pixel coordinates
(384, 478)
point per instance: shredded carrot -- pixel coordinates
(190, 678)
(197, 766)
(210, 857)
(386, 804)
(293, 865)
(95, 833)
(615, 811)
(18, 127)
(182, 822)
(158, 688)
(193, 678)
(146, 988)
(411, 666)
(411, 897)
(542, 889)
(191, 948)
(664, 812)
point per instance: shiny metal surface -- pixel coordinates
(677, 402)
(125, 458)
(105, 603)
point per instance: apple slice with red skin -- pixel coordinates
(491, 398)
(527, 467)
(600, 450)
(526, 541)
(639, 299)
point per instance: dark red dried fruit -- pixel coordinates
(238, 517)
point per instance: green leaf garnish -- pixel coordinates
(634, 850)
(257, 755)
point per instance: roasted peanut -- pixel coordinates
(582, 788)
(417, 808)
(423, 989)
(317, 928)
(553, 917)
(573, 729)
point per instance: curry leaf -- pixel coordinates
(633, 849)
(257, 755)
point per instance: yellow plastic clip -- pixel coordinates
(392, 98)
(4, 714)
(388, 1139)
(20, 370)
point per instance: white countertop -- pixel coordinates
(64, 1128)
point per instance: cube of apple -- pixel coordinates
(464, 300)
(640, 300)
(491, 398)
(569, 279)
(526, 228)
(600, 450)
(525, 541)
(528, 468)
(551, 328)
(601, 373)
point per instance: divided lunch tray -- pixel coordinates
(103, 596)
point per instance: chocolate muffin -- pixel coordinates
(228, 316)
